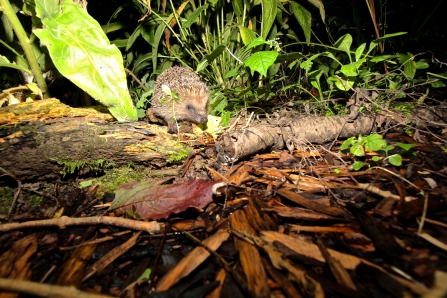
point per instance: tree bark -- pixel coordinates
(239, 144)
(35, 138)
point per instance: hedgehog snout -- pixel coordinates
(203, 119)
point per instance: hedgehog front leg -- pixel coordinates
(172, 127)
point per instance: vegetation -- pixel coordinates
(246, 50)
(368, 147)
(75, 166)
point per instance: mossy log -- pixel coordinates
(39, 139)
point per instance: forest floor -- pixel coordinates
(290, 223)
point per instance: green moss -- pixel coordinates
(118, 176)
(72, 166)
(35, 200)
(6, 199)
(179, 155)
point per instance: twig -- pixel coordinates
(65, 221)
(44, 290)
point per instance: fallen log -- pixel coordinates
(242, 143)
(38, 140)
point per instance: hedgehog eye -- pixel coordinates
(189, 107)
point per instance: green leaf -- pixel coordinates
(436, 75)
(381, 58)
(351, 70)
(45, 8)
(410, 69)
(261, 61)
(388, 36)
(319, 4)
(304, 19)
(247, 35)
(422, 65)
(257, 42)
(7, 29)
(306, 65)
(404, 146)
(344, 44)
(375, 145)
(226, 116)
(82, 53)
(20, 60)
(146, 274)
(288, 57)
(357, 165)
(372, 45)
(238, 6)
(375, 158)
(409, 64)
(347, 143)
(231, 73)
(359, 51)
(192, 18)
(268, 16)
(438, 84)
(216, 53)
(4, 62)
(357, 150)
(388, 148)
(157, 38)
(135, 34)
(395, 160)
(341, 84)
(210, 57)
(86, 183)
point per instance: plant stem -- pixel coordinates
(7, 9)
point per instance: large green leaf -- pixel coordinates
(45, 8)
(304, 19)
(268, 16)
(82, 53)
(261, 61)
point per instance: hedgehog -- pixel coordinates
(193, 98)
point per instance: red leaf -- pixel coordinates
(149, 201)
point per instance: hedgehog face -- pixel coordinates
(193, 105)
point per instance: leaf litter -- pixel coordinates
(282, 224)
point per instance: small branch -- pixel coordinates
(43, 290)
(65, 221)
